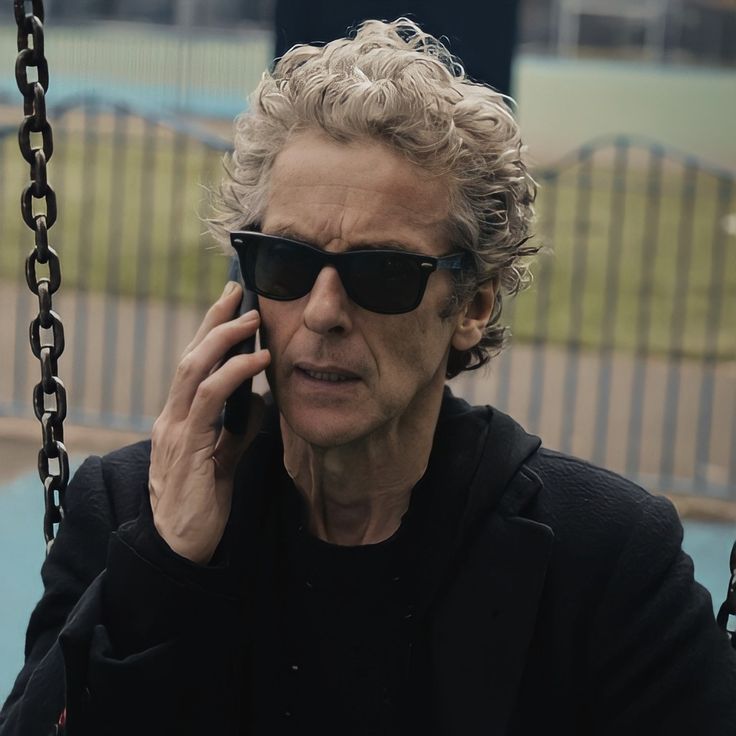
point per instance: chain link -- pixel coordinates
(46, 331)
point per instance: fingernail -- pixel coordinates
(229, 287)
(248, 316)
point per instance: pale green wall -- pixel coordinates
(563, 103)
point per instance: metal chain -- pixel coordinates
(46, 330)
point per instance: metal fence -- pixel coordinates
(624, 349)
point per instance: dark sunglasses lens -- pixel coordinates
(281, 270)
(390, 283)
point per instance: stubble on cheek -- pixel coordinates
(417, 348)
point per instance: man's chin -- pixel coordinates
(323, 429)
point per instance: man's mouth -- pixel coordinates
(330, 376)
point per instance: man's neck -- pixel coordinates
(357, 493)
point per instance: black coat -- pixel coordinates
(559, 601)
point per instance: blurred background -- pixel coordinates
(624, 349)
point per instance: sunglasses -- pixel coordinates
(379, 280)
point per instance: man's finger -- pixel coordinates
(211, 394)
(221, 311)
(201, 362)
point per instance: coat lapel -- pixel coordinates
(479, 580)
(484, 624)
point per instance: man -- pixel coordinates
(373, 556)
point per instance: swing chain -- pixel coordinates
(46, 331)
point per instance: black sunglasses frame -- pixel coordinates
(245, 241)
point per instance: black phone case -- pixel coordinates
(237, 407)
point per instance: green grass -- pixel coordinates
(128, 224)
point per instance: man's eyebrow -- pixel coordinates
(287, 232)
(378, 245)
(291, 233)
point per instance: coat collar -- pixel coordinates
(483, 626)
(477, 471)
(507, 447)
(481, 588)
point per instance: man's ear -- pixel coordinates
(474, 317)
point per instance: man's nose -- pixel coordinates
(328, 305)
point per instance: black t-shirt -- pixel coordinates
(343, 631)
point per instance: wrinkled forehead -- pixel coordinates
(323, 190)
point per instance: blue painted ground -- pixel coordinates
(22, 552)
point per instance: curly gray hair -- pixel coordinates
(394, 83)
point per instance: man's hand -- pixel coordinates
(190, 480)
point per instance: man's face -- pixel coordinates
(341, 373)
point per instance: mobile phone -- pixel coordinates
(237, 406)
